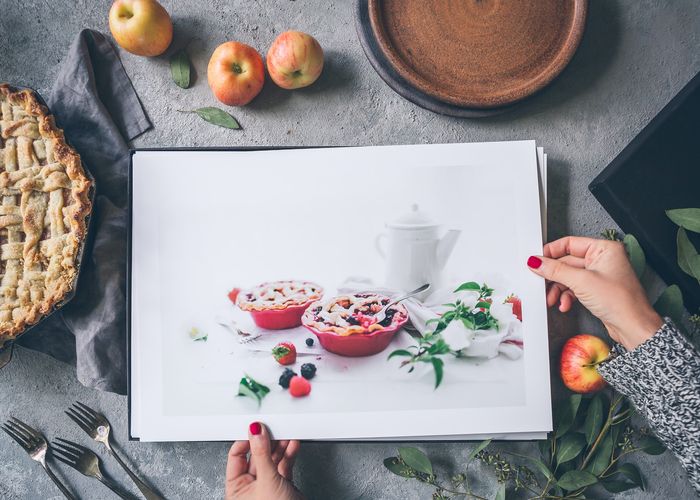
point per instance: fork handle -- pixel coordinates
(143, 487)
(58, 483)
(109, 484)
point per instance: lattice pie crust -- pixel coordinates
(43, 212)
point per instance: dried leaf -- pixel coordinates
(180, 69)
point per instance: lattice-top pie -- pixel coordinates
(278, 295)
(43, 211)
(354, 314)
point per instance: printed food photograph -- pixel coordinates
(311, 297)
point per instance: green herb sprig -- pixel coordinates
(249, 387)
(432, 346)
(592, 436)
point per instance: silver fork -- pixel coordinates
(84, 461)
(35, 445)
(96, 425)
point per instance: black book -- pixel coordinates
(657, 171)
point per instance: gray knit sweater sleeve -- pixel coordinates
(661, 378)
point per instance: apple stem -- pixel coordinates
(237, 68)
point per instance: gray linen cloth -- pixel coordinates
(96, 105)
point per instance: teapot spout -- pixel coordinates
(446, 245)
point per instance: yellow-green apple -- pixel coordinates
(579, 359)
(142, 27)
(295, 60)
(236, 73)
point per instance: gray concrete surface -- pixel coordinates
(634, 57)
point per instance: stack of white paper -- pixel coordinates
(377, 220)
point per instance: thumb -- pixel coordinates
(555, 270)
(261, 449)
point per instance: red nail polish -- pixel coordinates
(534, 262)
(255, 428)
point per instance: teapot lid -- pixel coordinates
(415, 219)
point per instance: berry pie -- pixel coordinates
(43, 212)
(279, 304)
(354, 314)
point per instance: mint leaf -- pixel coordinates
(249, 387)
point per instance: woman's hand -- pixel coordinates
(598, 273)
(268, 473)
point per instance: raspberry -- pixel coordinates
(308, 370)
(286, 376)
(299, 387)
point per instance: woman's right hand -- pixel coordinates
(598, 273)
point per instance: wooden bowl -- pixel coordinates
(478, 53)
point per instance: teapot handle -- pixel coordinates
(378, 244)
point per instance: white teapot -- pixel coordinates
(414, 251)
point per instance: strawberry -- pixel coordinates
(233, 294)
(299, 387)
(517, 305)
(285, 353)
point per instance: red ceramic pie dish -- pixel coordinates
(280, 319)
(359, 344)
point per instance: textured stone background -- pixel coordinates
(634, 57)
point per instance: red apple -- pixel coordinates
(295, 60)
(142, 27)
(236, 73)
(579, 358)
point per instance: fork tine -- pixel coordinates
(32, 432)
(86, 409)
(78, 420)
(21, 432)
(16, 437)
(70, 444)
(64, 460)
(65, 452)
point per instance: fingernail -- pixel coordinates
(255, 428)
(534, 262)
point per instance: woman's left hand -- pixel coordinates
(268, 472)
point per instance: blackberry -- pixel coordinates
(310, 342)
(286, 376)
(308, 370)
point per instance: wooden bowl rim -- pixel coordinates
(557, 65)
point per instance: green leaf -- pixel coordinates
(480, 447)
(670, 303)
(688, 218)
(397, 467)
(688, 258)
(248, 387)
(399, 352)
(631, 472)
(650, 445)
(180, 69)
(603, 456)
(472, 286)
(594, 419)
(567, 414)
(575, 479)
(216, 116)
(483, 305)
(546, 472)
(569, 447)
(416, 459)
(438, 367)
(500, 492)
(545, 448)
(616, 485)
(636, 254)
